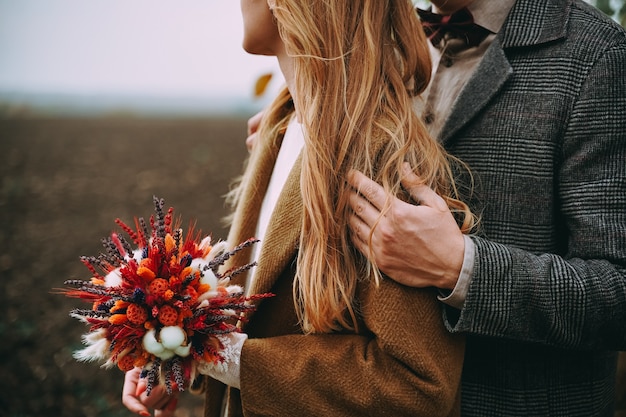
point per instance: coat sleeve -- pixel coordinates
(576, 299)
(404, 364)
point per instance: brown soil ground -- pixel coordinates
(62, 184)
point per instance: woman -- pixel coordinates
(338, 338)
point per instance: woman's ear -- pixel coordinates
(271, 4)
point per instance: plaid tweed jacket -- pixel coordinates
(542, 125)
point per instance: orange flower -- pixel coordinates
(126, 363)
(136, 314)
(141, 361)
(191, 292)
(119, 305)
(170, 243)
(118, 319)
(186, 272)
(145, 273)
(168, 316)
(158, 286)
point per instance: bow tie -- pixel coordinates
(459, 24)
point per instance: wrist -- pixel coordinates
(454, 264)
(456, 297)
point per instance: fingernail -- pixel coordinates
(144, 413)
(141, 388)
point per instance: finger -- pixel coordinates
(420, 192)
(363, 209)
(358, 229)
(358, 235)
(251, 141)
(369, 189)
(254, 122)
(158, 398)
(169, 410)
(129, 397)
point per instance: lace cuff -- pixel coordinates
(227, 371)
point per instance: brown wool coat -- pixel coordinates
(402, 363)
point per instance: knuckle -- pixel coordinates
(369, 192)
(385, 233)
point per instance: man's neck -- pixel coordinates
(449, 6)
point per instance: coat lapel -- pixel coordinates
(283, 233)
(491, 74)
(254, 183)
(543, 21)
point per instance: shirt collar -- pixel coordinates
(491, 14)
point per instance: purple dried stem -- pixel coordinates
(159, 203)
(236, 271)
(152, 375)
(144, 228)
(219, 260)
(177, 371)
(114, 257)
(127, 247)
(167, 374)
(90, 313)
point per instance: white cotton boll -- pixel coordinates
(183, 351)
(150, 343)
(113, 278)
(172, 337)
(166, 354)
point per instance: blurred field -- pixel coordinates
(62, 184)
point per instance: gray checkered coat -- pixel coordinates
(542, 124)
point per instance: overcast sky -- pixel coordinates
(137, 47)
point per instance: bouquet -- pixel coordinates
(161, 306)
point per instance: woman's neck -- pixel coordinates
(285, 62)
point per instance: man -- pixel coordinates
(538, 112)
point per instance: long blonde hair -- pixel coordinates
(358, 64)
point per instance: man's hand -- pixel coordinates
(416, 245)
(135, 399)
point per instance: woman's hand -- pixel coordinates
(135, 399)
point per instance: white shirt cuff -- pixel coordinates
(457, 297)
